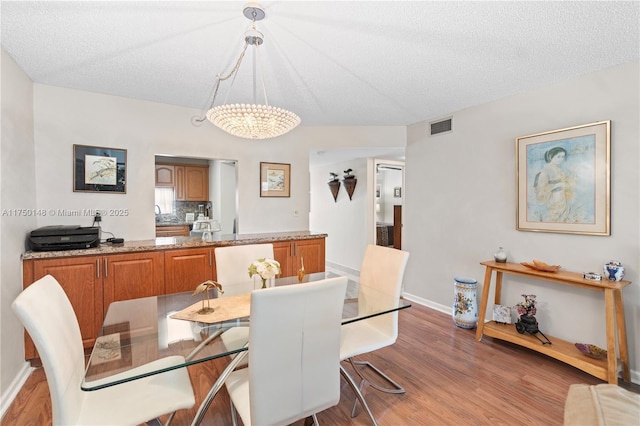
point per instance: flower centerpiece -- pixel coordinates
(527, 310)
(265, 268)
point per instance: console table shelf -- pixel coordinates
(561, 349)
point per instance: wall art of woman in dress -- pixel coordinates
(555, 190)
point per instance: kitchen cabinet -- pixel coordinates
(185, 269)
(93, 282)
(165, 175)
(190, 182)
(291, 254)
(172, 231)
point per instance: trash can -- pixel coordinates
(465, 302)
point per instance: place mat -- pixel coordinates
(224, 309)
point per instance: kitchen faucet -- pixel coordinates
(158, 211)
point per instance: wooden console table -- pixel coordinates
(561, 349)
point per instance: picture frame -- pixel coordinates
(99, 169)
(563, 180)
(275, 179)
(397, 192)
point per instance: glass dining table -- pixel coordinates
(136, 333)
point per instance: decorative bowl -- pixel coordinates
(592, 351)
(538, 265)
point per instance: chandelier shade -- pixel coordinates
(250, 121)
(253, 121)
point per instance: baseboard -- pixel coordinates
(10, 394)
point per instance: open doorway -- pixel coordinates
(388, 202)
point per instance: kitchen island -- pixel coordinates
(93, 278)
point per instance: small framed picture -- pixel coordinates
(397, 192)
(275, 180)
(502, 314)
(99, 169)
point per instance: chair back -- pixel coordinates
(47, 315)
(381, 276)
(232, 263)
(294, 355)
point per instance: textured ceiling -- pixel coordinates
(333, 63)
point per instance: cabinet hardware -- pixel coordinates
(106, 268)
(98, 267)
(210, 257)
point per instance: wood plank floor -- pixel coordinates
(450, 379)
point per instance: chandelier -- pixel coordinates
(250, 121)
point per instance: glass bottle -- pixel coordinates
(500, 256)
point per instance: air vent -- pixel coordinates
(441, 126)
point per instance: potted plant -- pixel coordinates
(527, 310)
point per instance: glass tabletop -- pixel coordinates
(139, 336)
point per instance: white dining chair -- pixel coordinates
(381, 275)
(232, 265)
(48, 317)
(294, 354)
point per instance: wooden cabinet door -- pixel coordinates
(179, 187)
(196, 183)
(165, 175)
(80, 279)
(282, 253)
(312, 253)
(185, 269)
(132, 275)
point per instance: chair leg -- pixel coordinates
(359, 396)
(396, 387)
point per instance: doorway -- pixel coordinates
(388, 202)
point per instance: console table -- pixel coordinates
(560, 349)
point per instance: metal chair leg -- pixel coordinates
(396, 387)
(359, 396)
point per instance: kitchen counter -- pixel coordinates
(167, 243)
(189, 224)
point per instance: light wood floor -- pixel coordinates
(450, 379)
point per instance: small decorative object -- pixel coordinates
(333, 177)
(500, 256)
(527, 322)
(205, 287)
(502, 314)
(592, 276)
(301, 270)
(350, 182)
(465, 306)
(592, 351)
(265, 268)
(334, 186)
(613, 271)
(539, 265)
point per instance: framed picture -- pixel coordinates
(275, 180)
(563, 180)
(98, 169)
(397, 192)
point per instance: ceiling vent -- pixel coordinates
(441, 126)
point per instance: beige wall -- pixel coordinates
(460, 203)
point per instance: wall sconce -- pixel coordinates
(334, 185)
(350, 182)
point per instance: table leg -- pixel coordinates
(498, 296)
(483, 303)
(622, 334)
(612, 374)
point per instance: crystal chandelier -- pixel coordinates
(250, 121)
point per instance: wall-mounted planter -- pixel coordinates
(350, 185)
(335, 187)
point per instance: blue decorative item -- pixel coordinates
(613, 271)
(465, 305)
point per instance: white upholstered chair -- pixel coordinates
(232, 264)
(381, 277)
(294, 354)
(47, 315)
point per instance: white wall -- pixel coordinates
(460, 203)
(64, 117)
(17, 192)
(344, 220)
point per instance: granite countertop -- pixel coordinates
(167, 243)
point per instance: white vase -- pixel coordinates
(465, 304)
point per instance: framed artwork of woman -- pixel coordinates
(563, 180)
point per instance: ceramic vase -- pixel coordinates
(613, 271)
(465, 303)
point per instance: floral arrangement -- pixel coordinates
(528, 307)
(265, 268)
